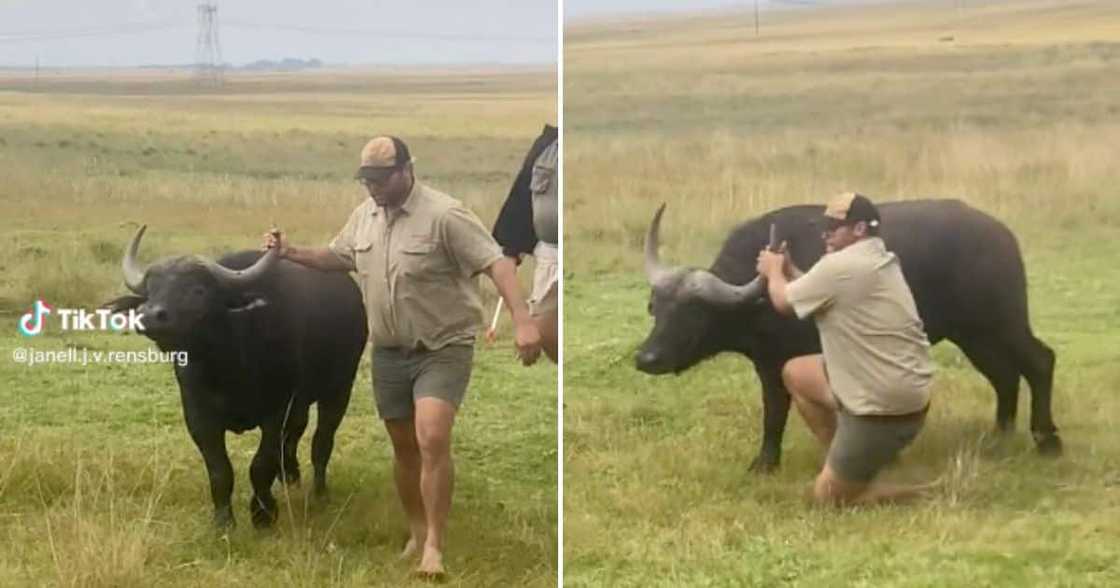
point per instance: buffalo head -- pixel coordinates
(686, 304)
(177, 296)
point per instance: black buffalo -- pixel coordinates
(265, 338)
(963, 266)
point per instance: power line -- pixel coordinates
(105, 31)
(84, 30)
(385, 33)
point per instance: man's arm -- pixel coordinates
(793, 293)
(320, 258)
(772, 266)
(475, 252)
(792, 271)
(778, 269)
(503, 273)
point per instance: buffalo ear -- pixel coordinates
(253, 304)
(250, 322)
(126, 302)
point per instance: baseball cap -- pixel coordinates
(849, 208)
(382, 153)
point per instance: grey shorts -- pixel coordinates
(864, 444)
(401, 376)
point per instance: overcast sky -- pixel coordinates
(136, 32)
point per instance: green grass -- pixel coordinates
(699, 114)
(100, 484)
(657, 488)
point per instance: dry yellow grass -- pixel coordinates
(1022, 130)
(729, 38)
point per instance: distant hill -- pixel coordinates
(286, 64)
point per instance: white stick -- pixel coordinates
(497, 314)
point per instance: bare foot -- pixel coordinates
(431, 565)
(412, 547)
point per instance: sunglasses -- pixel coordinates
(833, 225)
(378, 178)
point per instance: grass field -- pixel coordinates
(99, 483)
(1008, 106)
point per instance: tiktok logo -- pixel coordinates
(32, 323)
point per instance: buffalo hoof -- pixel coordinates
(318, 499)
(1049, 445)
(263, 511)
(764, 464)
(291, 476)
(223, 519)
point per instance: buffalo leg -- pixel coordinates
(775, 413)
(211, 442)
(1036, 361)
(262, 473)
(294, 427)
(322, 444)
(212, 445)
(992, 359)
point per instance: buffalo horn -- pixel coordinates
(717, 291)
(133, 272)
(655, 271)
(236, 278)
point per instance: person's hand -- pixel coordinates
(275, 240)
(773, 262)
(769, 262)
(527, 338)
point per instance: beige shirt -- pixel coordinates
(875, 346)
(417, 267)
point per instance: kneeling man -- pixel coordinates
(866, 396)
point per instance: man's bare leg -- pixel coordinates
(832, 490)
(547, 325)
(807, 385)
(406, 473)
(434, 419)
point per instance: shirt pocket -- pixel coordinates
(420, 257)
(363, 256)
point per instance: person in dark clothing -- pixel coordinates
(529, 225)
